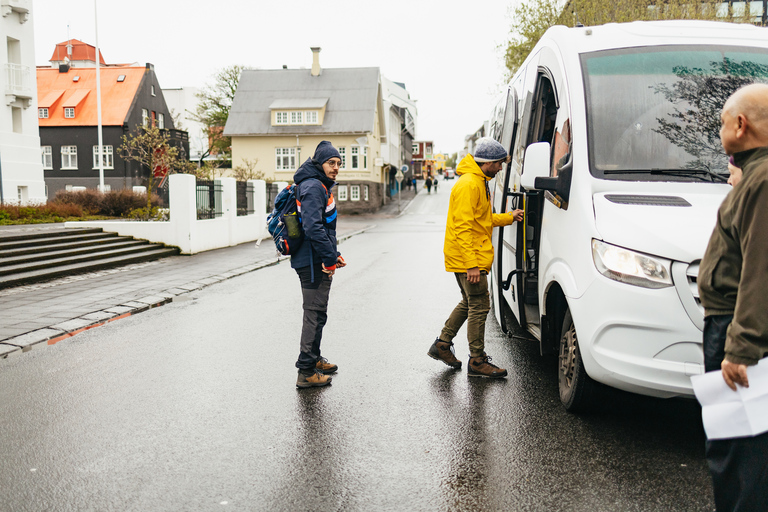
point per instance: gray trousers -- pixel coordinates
(315, 295)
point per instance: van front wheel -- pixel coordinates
(576, 387)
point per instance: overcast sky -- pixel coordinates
(444, 51)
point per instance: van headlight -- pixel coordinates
(631, 267)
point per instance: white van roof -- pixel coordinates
(645, 33)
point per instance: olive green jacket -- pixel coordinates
(733, 276)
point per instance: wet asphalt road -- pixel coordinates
(193, 406)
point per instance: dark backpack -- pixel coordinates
(284, 223)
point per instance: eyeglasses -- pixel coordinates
(334, 163)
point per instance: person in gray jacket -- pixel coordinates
(733, 286)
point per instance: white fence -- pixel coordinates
(185, 231)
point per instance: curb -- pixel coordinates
(55, 333)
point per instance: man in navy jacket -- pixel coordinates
(316, 259)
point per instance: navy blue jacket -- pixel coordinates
(317, 208)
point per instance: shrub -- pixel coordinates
(89, 200)
(155, 214)
(115, 203)
(51, 212)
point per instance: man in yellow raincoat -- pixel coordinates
(469, 255)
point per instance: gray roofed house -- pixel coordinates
(279, 116)
(349, 96)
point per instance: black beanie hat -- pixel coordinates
(324, 152)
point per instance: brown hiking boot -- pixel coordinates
(324, 367)
(313, 380)
(482, 367)
(443, 351)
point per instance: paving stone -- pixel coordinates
(153, 300)
(5, 350)
(176, 291)
(99, 316)
(119, 310)
(190, 287)
(34, 337)
(73, 325)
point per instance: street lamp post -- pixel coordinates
(98, 100)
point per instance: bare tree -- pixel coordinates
(150, 147)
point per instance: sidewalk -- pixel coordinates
(49, 312)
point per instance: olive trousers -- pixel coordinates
(474, 306)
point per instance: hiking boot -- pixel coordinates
(482, 367)
(313, 380)
(443, 351)
(324, 367)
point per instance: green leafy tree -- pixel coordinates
(215, 101)
(533, 17)
(150, 147)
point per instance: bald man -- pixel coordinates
(733, 286)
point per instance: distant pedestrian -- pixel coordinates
(469, 255)
(415, 187)
(733, 286)
(428, 183)
(317, 259)
(434, 184)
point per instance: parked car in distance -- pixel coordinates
(449, 174)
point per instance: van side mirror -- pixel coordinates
(535, 164)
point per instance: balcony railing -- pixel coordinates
(18, 80)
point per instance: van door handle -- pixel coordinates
(508, 281)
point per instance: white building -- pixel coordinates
(400, 116)
(21, 167)
(183, 102)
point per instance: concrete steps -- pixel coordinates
(40, 256)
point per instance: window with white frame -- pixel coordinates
(107, 157)
(355, 157)
(161, 121)
(365, 193)
(69, 112)
(297, 117)
(343, 153)
(415, 148)
(281, 117)
(285, 159)
(47, 153)
(354, 192)
(365, 157)
(310, 117)
(69, 157)
(42, 113)
(153, 90)
(144, 117)
(342, 192)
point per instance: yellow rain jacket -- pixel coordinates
(471, 221)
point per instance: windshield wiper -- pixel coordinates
(694, 173)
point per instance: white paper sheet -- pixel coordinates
(727, 413)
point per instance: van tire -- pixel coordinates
(576, 387)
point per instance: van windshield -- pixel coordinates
(653, 113)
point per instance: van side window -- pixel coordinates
(545, 112)
(561, 150)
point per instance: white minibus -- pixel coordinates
(616, 160)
